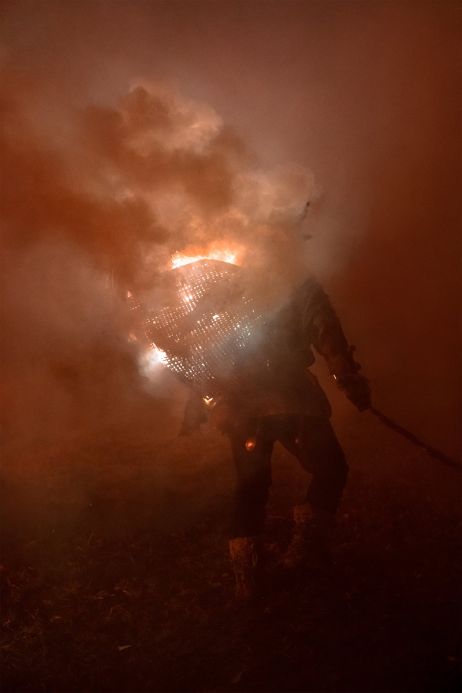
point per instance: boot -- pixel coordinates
(310, 539)
(244, 557)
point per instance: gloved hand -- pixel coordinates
(356, 388)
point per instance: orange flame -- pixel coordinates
(224, 254)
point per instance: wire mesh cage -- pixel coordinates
(206, 324)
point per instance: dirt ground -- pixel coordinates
(116, 578)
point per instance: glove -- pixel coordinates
(356, 388)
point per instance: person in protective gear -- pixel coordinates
(281, 400)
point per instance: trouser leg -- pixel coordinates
(314, 443)
(253, 478)
(320, 453)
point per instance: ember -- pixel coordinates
(250, 444)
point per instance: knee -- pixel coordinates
(252, 489)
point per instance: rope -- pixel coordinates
(433, 452)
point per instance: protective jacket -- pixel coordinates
(274, 376)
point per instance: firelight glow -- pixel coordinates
(157, 355)
(225, 255)
(152, 359)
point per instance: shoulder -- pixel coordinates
(314, 304)
(309, 291)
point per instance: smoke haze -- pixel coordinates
(134, 130)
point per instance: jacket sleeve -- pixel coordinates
(324, 331)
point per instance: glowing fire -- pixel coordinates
(151, 359)
(156, 356)
(250, 444)
(223, 254)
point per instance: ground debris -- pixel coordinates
(162, 598)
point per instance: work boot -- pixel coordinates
(311, 538)
(244, 557)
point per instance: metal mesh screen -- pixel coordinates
(207, 323)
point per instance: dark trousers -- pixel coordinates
(310, 439)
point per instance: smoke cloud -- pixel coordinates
(134, 131)
(100, 206)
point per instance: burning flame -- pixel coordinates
(223, 254)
